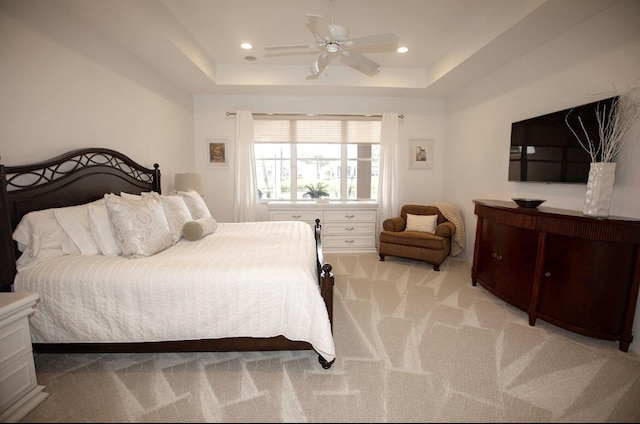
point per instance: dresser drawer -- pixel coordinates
(17, 380)
(15, 341)
(348, 229)
(346, 242)
(349, 216)
(309, 217)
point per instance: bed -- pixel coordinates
(234, 287)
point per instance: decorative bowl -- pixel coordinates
(528, 203)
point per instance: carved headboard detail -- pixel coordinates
(77, 177)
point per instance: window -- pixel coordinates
(291, 153)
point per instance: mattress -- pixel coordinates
(252, 279)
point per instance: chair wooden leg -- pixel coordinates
(382, 257)
(436, 267)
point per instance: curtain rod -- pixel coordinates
(314, 114)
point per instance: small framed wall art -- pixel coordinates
(420, 153)
(216, 152)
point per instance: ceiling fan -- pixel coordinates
(334, 40)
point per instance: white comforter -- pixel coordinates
(253, 279)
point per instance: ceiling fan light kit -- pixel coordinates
(332, 38)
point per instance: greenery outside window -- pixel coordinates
(292, 153)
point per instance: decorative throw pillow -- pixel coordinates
(177, 214)
(140, 225)
(422, 223)
(196, 204)
(100, 227)
(74, 220)
(199, 228)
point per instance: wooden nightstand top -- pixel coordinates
(11, 302)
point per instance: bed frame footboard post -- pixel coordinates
(325, 276)
(326, 289)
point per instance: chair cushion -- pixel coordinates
(414, 238)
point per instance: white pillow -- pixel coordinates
(140, 226)
(196, 204)
(39, 237)
(74, 220)
(38, 230)
(422, 223)
(68, 246)
(100, 227)
(177, 213)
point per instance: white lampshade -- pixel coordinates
(188, 181)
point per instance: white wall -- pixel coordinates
(423, 118)
(598, 56)
(61, 89)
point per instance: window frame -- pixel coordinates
(347, 136)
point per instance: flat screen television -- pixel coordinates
(543, 149)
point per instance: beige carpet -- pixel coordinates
(413, 345)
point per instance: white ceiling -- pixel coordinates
(195, 43)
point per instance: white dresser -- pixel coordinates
(19, 390)
(346, 226)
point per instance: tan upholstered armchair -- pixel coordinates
(433, 248)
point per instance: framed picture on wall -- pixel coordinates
(420, 153)
(216, 152)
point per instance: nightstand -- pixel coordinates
(19, 390)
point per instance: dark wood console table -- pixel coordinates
(574, 271)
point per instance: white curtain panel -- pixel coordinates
(245, 207)
(387, 184)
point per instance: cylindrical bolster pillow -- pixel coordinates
(193, 230)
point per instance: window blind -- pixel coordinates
(301, 130)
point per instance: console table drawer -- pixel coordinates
(350, 216)
(348, 229)
(309, 217)
(346, 242)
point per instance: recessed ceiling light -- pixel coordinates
(246, 46)
(402, 49)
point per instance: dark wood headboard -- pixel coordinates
(74, 178)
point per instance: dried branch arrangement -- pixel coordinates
(614, 123)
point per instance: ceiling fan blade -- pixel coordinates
(320, 64)
(386, 39)
(357, 60)
(292, 46)
(320, 28)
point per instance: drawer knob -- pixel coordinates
(349, 216)
(547, 274)
(348, 241)
(349, 229)
(296, 216)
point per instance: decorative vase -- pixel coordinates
(597, 200)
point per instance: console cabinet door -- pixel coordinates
(506, 262)
(586, 285)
